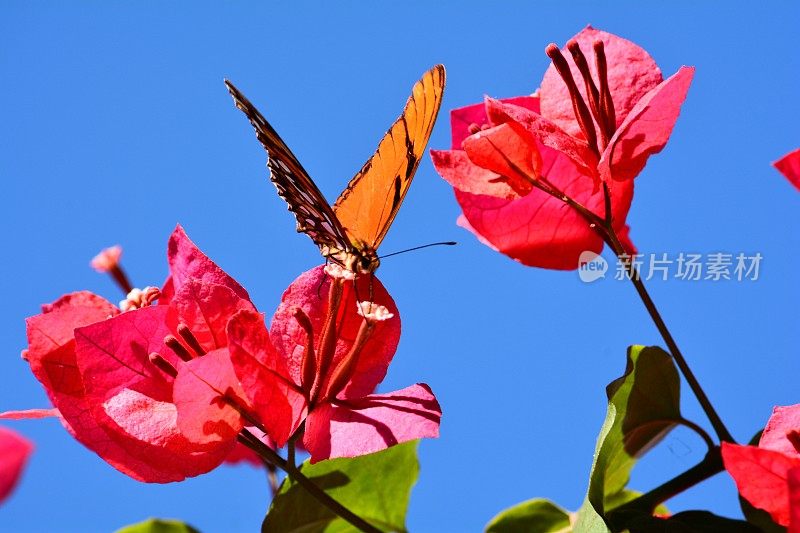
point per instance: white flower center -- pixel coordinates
(374, 312)
(139, 298)
(336, 271)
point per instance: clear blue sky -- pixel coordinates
(116, 125)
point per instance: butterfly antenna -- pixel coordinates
(444, 243)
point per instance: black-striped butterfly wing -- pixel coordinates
(314, 215)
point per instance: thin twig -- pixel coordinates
(272, 476)
(700, 431)
(647, 502)
(633, 273)
(605, 229)
(267, 453)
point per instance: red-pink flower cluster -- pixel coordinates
(603, 108)
(162, 386)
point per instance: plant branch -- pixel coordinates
(272, 476)
(700, 432)
(290, 454)
(605, 229)
(268, 454)
(647, 502)
(633, 273)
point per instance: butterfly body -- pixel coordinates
(360, 260)
(349, 232)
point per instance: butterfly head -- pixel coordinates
(365, 262)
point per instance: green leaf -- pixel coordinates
(588, 521)
(643, 406)
(759, 518)
(533, 516)
(157, 525)
(376, 487)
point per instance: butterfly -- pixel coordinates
(349, 232)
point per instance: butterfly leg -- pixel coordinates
(371, 287)
(355, 288)
(321, 282)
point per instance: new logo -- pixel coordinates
(591, 266)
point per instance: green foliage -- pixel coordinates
(157, 525)
(533, 516)
(376, 487)
(759, 518)
(643, 406)
(588, 521)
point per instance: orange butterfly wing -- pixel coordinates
(371, 200)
